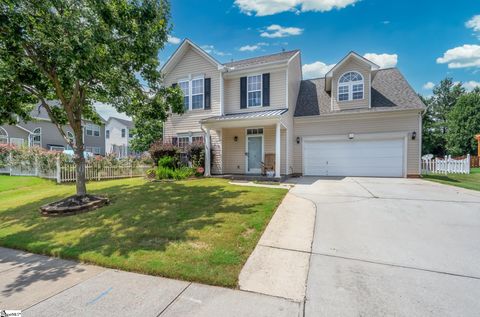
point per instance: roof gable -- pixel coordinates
(180, 52)
(349, 56)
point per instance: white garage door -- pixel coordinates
(353, 158)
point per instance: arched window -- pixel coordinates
(3, 136)
(350, 87)
(71, 138)
(37, 137)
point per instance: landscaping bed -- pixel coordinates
(200, 230)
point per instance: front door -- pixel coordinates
(254, 153)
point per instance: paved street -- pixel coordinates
(402, 247)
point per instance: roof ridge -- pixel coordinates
(261, 56)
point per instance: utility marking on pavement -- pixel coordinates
(102, 294)
(397, 265)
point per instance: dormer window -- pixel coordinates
(350, 87)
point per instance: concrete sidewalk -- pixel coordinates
(279, 264)
(44, 286)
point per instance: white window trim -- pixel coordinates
(92, 127)
(4, 136)
(56, 148)
(190, 80)
(261, 91)
(34, 134)
(107, 134)
(350, 85)
(190, 136)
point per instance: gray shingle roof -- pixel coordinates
(283, 56)
(127, 123)
(390, 91)
(248, 115)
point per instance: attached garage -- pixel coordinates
(381, 157)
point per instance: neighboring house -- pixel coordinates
(117, 136)
(358, 120)
(43, 133)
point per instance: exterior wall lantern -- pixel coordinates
(351, 136)
(235, 138)
(414, 135)
(298, 140)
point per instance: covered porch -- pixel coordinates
(253, 143)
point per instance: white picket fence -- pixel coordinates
(446, 165)
(64, 172)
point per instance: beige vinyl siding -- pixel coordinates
(294, 79)
(195, 64)
(352, 64)
(192, 63)
(234, 152)
(371, 123)
(277, 93)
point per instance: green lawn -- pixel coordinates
(197, 230)
(469, 181)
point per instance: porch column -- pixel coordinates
(277, 151)
(207, 152)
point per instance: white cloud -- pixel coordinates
(269, 7)
(383, 60)
(252, 48)
(428, 86)
(461, 56)
(470, 85)
(210, 49)
(173, 40)
(275, 31)
(474, 24)
(316, 69)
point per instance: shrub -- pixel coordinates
(167, 161)
(165, 173)
(160, 149)
(196, 154)
(183, 173)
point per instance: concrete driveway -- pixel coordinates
(396, 247)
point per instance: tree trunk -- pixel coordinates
(79, 160)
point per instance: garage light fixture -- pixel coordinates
(351, 136)
(298, 140)
(414, 135)
(235, 138)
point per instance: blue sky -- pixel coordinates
(426, 39)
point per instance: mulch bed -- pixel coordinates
(73, 205)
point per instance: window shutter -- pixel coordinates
(207, 89)
(243, 92)
(266, 89)
(174, 140)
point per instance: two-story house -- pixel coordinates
(358, 120)
(118, 134)
(41, 132)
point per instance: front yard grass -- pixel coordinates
(469, 181)
(197, 230)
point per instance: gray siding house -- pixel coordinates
(43, 133)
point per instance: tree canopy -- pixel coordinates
(81, 51)
(463, 124)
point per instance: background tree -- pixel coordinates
(79, 51)
(445, 95)
(464, 124)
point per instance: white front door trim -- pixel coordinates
(248, 136)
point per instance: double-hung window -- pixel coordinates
(193, 93)
(92, 129)
(183, 141)
(123, 133)
(350, 87)
(107, 134)
(3, 136)
(185, 87)
(254, 91)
